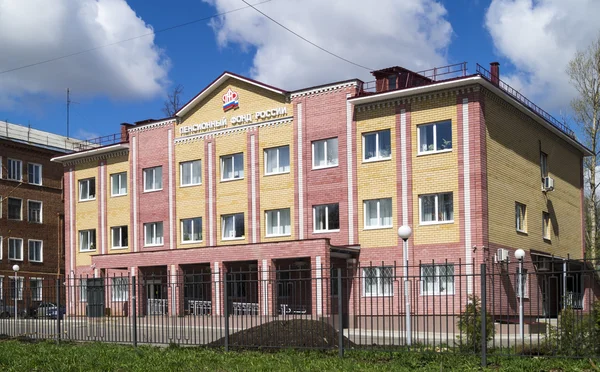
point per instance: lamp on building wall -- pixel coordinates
(519, 255)
(16, 269)
(404, 232)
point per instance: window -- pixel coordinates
(334, 282)
(120, 289)
(16, 291)
(436, 208)
(520, 217)
(544, 165)
(120, 238)
(326, 217)
(325, 153)
(524, 288)
(87, 189)
(15, 170)
(35, 251)
(35, 284)
(153, 179)
(83, 290)
(437, 279)
(232, 167)
(87, 240)
(277, 160)
(153, 233)
(34, 211)
(284, 283)
(392, 82)
(378, 213)
(278, 222)
(15, 249)
(435, 137)
(233, 226)
(190, 173)
(377, 145)
(378, 281)
(118, 182)
(15, 209)
(191, 230)
(546, 225)
(34, 173)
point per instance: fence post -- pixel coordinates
(226, 311)
(134, 309)
(483, 277)
(58, 314)
(340, 314)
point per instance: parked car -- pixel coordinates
(42, 310)
(8, 310)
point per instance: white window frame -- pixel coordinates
(437, 209)
(277, 150)
(326, 141)
(119, 176)
(183, 241)
(1, 249)
(119, 289)
(525, 284)
(434, 151)
(521, 221)
(154, 227)
(233, 215)
(8, 209)
(232, 157)
(1, 282)
(279, 227)
(377, 157)
(41, 250)
(546, 231)
(382, 289)
(379, 217)
(182, 166)
(41, 211)
(87, 180)
(315, 229)
(21, 249)
(112, 237)
(436, 280)
(92, 245)
(28, 173)
(10, 170)
(19, 287)
(155, 185)
(39, 295)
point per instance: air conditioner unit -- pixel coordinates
(548, 184)
(502, 255)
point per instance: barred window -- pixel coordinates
(437, 279)
(378, 281)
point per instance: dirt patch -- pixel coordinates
(297, 334)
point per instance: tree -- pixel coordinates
(173, 103)
(584, 73)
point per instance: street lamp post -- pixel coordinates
(404, 232)
(16, 269)
(519, 255)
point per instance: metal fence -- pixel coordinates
(452, 307)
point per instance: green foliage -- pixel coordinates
(577, 334)
(469, 324)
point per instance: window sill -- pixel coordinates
(522, 232)
(86, 200)
(232, 179)
(36, 222)
(14, 180)
(278, 236)
(325, 166)
(233, 239)
(153, 245)
(435, 223)
(118, 248)
(325, 231)
(547, 240)
(152, 190)
(377, 228)
(436, 294)
(117, 195)
(276, 173)
(377, 295)
(15, 259)
(35, 184)
(425, 153)
(192, 242)
(376, 160)
(15, 219)
(87, 251)
(32, 261)
(190, 185)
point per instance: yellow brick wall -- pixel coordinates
(377, 179)
(190, 200)
(231, 196)
(251, 99)
(86, 211)
(276, 191)
(117, 207)
(513, 165)
(435, 173)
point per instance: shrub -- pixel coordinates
(576, 334)
(469, 324)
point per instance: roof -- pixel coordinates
(39, 138)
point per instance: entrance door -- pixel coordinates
(157, 304)
(550, 288)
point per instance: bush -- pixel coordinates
(469, 324)
(576, 334)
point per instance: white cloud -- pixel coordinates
(37, 30)
(539, 37)
(412, 33)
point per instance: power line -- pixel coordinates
(131, 38)
(305, 39)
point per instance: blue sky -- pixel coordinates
(127, 82)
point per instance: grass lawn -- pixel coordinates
(46, 356)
